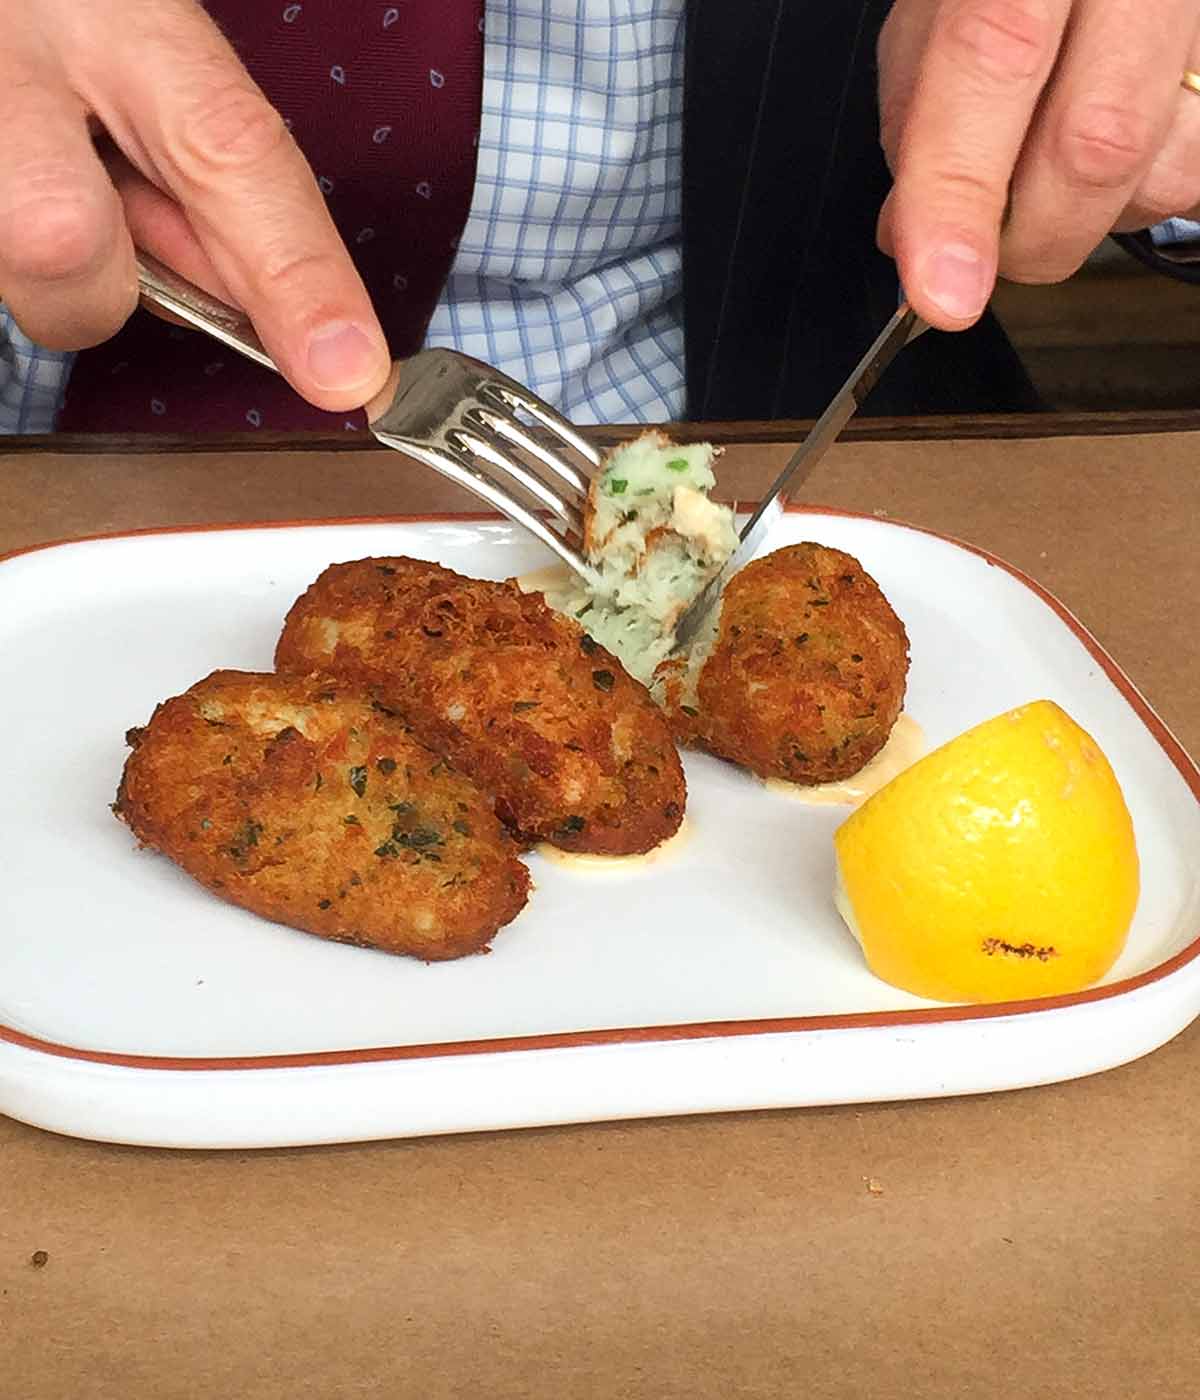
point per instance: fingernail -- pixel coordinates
(341, 356)
(956, 279)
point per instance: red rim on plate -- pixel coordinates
(696, 1030)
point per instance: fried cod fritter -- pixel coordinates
(296, 799)
(543, 718)
(806, 674)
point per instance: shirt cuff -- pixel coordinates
(1172, 231)
(32, 380)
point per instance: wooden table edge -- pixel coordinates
(933, 429)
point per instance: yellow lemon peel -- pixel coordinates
(999, 867)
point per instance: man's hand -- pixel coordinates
(198, 169)
(1020, 132)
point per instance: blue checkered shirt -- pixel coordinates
(568, 272)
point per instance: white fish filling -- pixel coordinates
(655, 539)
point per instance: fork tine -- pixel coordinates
(459, 416)
(425, 410)
(465, 439)
(515, 395)
(504, 424)
(451, 463)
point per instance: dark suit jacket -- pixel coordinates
(784, 288)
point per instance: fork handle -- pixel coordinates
(163, 287)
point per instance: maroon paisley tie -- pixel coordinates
(384, 101)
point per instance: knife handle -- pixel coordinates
(161, 286)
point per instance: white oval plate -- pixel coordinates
(134, 1007)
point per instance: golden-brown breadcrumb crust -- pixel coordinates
(808, 672)
(297, 800)
(572, 748)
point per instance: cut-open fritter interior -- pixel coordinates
(573, 750)
(297, 799)
(654, 539)
(805, 675)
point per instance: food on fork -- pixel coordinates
(521, 699)
(1001, 866)
(655, 539)
(802, 672)
(299, 800)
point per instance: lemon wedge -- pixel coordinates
(999, 867)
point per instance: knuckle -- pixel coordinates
(232, 128)
(1104, 144)
(301, 281)
(1167, 191)
(1039, 263)
(51, 236)
(1007, 41)
(961, 188)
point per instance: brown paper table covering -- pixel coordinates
(1044, 1242)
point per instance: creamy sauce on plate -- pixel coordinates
(905, 745)
(554, 578)
(618, 865)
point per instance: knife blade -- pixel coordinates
(904, 326)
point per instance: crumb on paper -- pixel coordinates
(39, 1258)
(874, 1185)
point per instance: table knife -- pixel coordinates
(904, 326)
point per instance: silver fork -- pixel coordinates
(460, 416)
(455, 414)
